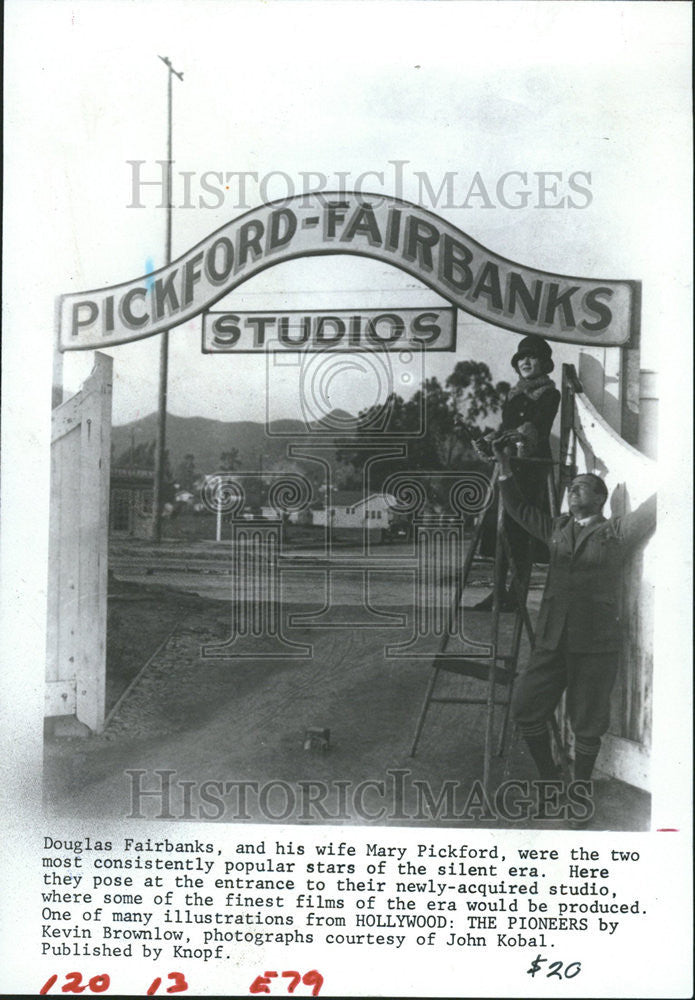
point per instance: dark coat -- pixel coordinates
(535, 416)
(582, 595)
(540, 411)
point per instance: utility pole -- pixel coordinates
(160, 446)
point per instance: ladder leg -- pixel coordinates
(512, 742)
(473, 548)
(522, 603)
(468, 560)
(489, 726)
(552, 494)
(514, 662)
(505, 721)
(520, 588)
(423, 710)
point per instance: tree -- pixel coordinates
(345, 475)
(185, 472)
(433, 419)
(440, 422)
(473, 394)
(229, 460)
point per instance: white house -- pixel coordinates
(184, 496)
(351, 509)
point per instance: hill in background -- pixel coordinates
(207, 439)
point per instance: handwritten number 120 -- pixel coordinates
(99, 984)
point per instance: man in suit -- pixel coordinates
(578, 632)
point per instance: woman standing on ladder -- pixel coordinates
(527, 419)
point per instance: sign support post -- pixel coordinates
(57, 371)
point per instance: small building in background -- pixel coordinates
(131, 498)
(351, 509)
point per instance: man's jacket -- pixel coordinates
(582, 596)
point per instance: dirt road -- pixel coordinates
(223, 716)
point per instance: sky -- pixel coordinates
(335, 88)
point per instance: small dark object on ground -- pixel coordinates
(317, 739)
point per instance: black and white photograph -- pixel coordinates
(346, 479)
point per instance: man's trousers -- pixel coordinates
(588, 679)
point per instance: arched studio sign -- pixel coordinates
(499, 291)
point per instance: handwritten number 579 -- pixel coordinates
(261, 984)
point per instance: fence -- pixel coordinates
(77, 574)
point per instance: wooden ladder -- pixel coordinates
(497, 669)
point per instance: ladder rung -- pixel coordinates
(463, 701)
(472, 668)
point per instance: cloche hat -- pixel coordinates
(535, 346)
